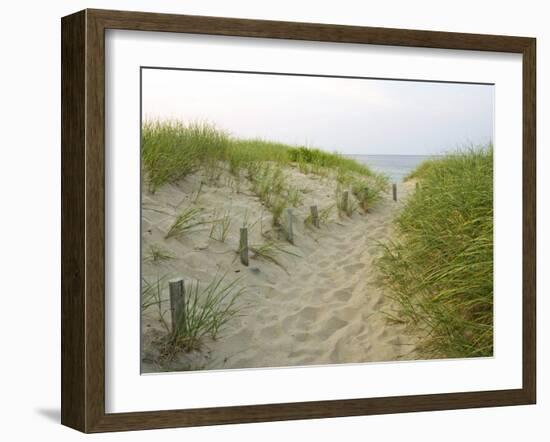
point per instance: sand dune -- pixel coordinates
(323, 306)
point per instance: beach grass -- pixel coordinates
(220, 225)
(269, 250)
(319, 160)
(439, 268)
(207, 309)
(151, 295)
(324, 216)
(155, 254)
(187, 219)
(272, 188)
(171, 150)
(369, 192)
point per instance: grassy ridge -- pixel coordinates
(172, 150)
(440, 269)
(316, 160)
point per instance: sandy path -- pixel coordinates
(328, 308)
(325, 308)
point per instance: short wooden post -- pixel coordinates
(417, 185)
(314, 216)
(365, 202)
(243, 246)
(288, 226)
(394, 188)
(177, 303)
(345, 201)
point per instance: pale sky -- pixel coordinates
(351, 116)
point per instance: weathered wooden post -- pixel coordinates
(365, 201)
(314, 216)
(288, 225)
(394, 188)
(345, 201)
(177, 304)
(417, 185)
(243, 246)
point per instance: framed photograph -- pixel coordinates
(270, 220)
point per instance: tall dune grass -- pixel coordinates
(171, 150)
(440, 267)
(319, 159)
(207, 309)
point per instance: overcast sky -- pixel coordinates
(351, 116)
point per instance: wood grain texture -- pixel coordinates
(72, 221)
(145, 21)
(243, 246)
(529, 220)
(83, 220)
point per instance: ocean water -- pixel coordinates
(396, 167)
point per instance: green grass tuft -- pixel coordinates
(156, 255)
(171, 150)
(206, 311)
(185, 221)
(269, 251)
(220, 225)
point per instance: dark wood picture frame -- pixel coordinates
(83, 220)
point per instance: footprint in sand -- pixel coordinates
(343, 294)
(272, 331)
(327, 275)
(301, 353)
(305, 277)
(338, 353)
(324, 264)
(358, 237)
(307, 360)
(301, 337)
(342, 246)
(330, 327)
(352, 268)
(236, 339)
(380, 335)
(301, 320)
(376, 303)
(347, 313)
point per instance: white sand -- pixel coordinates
(326, 308)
